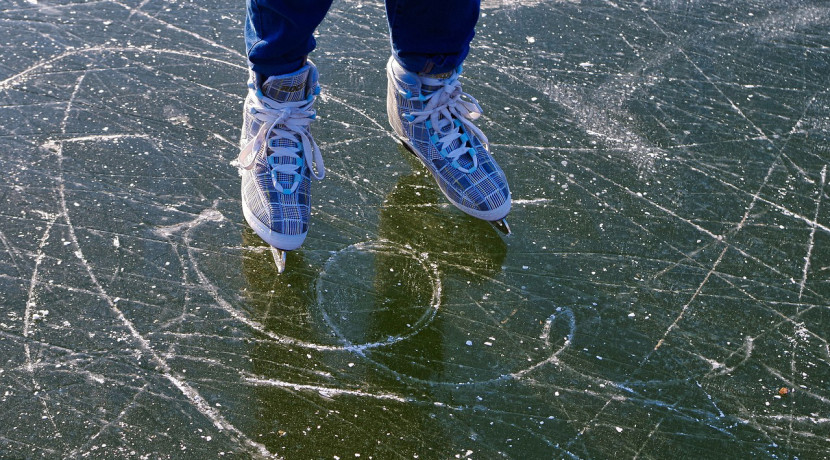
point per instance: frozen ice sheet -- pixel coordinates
(667, 276)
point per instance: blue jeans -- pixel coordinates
(427, 36)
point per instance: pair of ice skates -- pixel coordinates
(279, 157)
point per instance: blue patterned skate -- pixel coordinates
(276, 158)
(431, 118)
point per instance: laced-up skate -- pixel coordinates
(276, 158)
(434, 119)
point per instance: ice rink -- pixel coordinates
(665, 292)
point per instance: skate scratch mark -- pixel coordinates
(648, 438)
(384, 245)
(383, 131)
(344, 103)
(722, 369)
(793, 354)
(653, 203)
(792, 384)
(546, 330)
(738, 228)
(31, 302)
(810, 419)
(188, 294)
(19, 77)
(103, 137)
(755, 197)
(76, 452)
(596, 118)
(213, 291)
(223, 139)
(11, 251)
(811, 241)
(540, 148)
(709, 397)
(686, 306)
(192, 395)
(535, 201)
(685, 257)
(134, 11)
(732, 104)
(137, 11)
(326, 392)
(517, 375)
(554, 357)
(764, 29)
(208, 215)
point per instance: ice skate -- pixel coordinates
(278, 158)
(434, 119)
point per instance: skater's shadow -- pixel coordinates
(373, 305)
(457, 247)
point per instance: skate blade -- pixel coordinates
(501, 225)
(279, 258)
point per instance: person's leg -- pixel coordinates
(431, 36)
(278, 157)
(431, 114)
(279, 33)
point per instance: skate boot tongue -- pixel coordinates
(431, 83)
(286, 111)
(287, 88)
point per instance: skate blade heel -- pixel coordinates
(501, 225)
(279, 258)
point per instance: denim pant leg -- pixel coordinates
(279, 33)
(431, 36)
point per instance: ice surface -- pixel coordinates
(667, 275)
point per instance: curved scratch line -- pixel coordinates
(502, 378)
(191, 393)
(76, 452)
(546, 334)
(236, 314)
(422, 322)
(213, 215)
(213, 291)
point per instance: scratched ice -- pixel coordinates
(667, 276)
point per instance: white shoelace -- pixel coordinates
(293, 119)
(442, 107)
